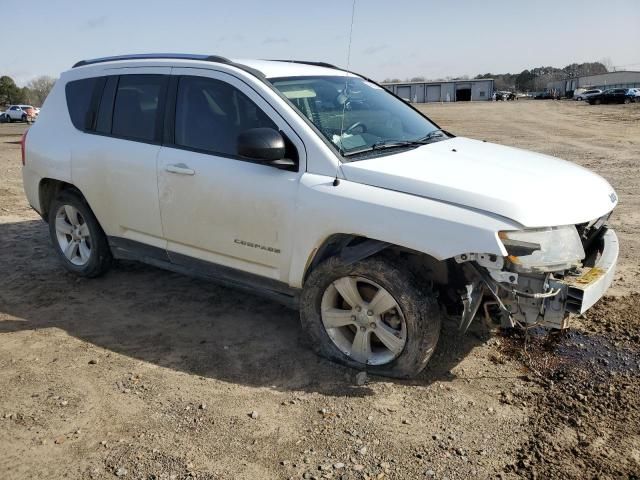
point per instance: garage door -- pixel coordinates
(404, 92)
(433, 93)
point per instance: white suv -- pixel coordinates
(21, 113)
(317, 187)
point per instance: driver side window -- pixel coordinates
(210, 114)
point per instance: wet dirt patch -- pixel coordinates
(586, 415)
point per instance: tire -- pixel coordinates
(627, 101)
(597, 101)
(24, 118)
(71, 221)
(8, 119)
(416, 324)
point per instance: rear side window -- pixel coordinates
(79, 96)
(210, 114)
(138, 102)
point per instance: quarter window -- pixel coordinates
(137, 105)
(79, 94)
(210, 114)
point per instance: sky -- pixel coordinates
(399, 38)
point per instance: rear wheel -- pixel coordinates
(372, 315)
(77, 237)
(597, 101)
(627, 101)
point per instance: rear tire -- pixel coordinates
(403, 329)
(77, 237)
(627, 101)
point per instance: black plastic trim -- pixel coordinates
(153, 56)
(126, 249)
(306, 62)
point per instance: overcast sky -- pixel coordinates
(399, 38)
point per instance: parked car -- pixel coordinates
(259, 174)
(614, 95)
(505, 96)
(543, 96)
(635, 92)
(21, 113)
(588, 93)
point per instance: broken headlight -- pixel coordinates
(542, 250)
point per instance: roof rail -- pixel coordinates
(305, 62)
(146, 56)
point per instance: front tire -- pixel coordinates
(371, 315)
(77, 236)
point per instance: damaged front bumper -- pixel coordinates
(586, 288)
(545, 299)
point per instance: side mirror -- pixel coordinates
(264, 144)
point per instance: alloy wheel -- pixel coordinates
(73, 235)
(363, 320)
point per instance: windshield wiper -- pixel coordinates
(432, 134)
(383, 144)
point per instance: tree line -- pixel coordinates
(33, 93)
(532, 80)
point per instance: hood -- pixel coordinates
(530, 188)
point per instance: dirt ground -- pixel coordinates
(146, 374)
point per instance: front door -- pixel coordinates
(216, 206)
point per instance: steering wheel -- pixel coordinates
(356, 125)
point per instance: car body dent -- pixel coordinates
(433, 227)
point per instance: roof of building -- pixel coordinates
(438, 82)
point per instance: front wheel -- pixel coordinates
(77, 236)
(372, 315)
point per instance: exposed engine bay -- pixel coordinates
(547, 275)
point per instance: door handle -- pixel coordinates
(180, 169)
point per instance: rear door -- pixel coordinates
(218, 207)
(115, 165)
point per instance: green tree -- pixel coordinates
(9, 92)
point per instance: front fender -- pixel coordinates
(438, 229)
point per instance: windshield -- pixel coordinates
(354, 114)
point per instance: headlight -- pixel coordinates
(543, 249)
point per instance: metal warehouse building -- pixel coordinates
(449, 91)
(622, 79)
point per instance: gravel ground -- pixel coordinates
(147, 374)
